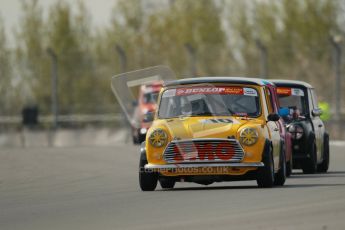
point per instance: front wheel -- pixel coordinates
(309, 165)
(147, 179)
(289, 166)
(141, 138)
(280, 176)
(265, 178)
(323, 167)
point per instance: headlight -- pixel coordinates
(158, 138)
(296, 131)
(143, 131)
(249, 136)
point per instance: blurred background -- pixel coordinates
(57, 57)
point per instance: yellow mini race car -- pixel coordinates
(214, 129)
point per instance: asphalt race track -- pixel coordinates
(97, 188)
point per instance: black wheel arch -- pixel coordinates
(282, 148)
(267, 146)
(311, 136)
(326, 135)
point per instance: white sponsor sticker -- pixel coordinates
(297, 92)
(216, 121)
(220, 121)
(198, 90)
(169, 93)
(250, 92)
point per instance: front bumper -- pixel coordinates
(204, 165)
(301, 149)
(200, 169)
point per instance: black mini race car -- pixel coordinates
(310, 141)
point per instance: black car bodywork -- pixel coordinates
(310, 141)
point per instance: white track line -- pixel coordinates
(337, 143)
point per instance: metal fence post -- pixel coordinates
(336, 40)
(263, 59)
(123, 65)
(192, 59)
(123, 58)
(54, 82)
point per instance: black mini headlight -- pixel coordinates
(296, 131)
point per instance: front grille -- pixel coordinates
(203, 151)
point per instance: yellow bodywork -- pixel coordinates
(187, 128)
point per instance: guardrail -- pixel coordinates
(335, 128)
(84, 118)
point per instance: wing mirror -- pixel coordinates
(273, 117)
(149, 116)
(284, 111)
(316, 112)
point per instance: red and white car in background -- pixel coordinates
(145, 109)
(285, 135)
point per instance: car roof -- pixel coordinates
(234, 80)
(280, 82)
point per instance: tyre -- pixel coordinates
(289, 167)
(309, 165)
(280, 176)
(167, 183)
(265, 178)
(323, 167)
(141, 138)
(147, 179)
